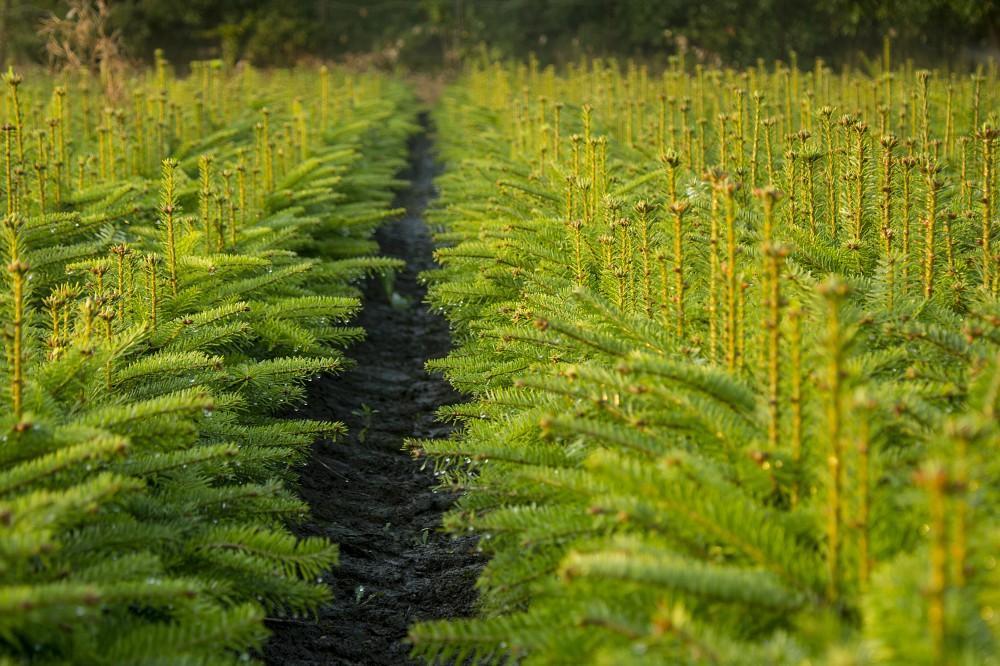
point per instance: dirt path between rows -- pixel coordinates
(368, 495)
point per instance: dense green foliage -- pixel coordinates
(713, 422)
(179, 259)
(432, 32)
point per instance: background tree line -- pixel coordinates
(430, 33)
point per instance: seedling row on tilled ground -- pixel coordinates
(732, 341)
(179, 260)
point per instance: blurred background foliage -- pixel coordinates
(433, 33)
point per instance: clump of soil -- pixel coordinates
(366, 493)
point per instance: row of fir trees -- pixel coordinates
(178, 258)
(733, 344)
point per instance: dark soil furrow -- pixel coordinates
(366, 493)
